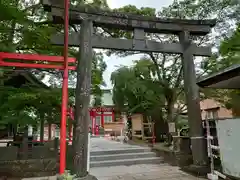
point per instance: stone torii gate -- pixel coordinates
(90, 17)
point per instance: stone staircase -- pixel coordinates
(123, 157)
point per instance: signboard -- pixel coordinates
(171, 127)
(228, 138)
(102, 109)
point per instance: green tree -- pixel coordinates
(138, 90)
(27, 106)
(25, 28)
(168, 68)
(229, 52)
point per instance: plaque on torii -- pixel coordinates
(90, 17)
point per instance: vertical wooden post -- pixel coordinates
(193, 102)
(41, 129)
(82, 100)
(25, 144)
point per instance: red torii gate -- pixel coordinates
(63, 65)
(34, 57)
(6, 60)
(9, 60)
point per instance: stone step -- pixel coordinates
(126, 162)
(122, 156)
(119, 151)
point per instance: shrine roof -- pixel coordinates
(20, 78)
(228, 78)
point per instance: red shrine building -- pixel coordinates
(100, 116)
(103, 118)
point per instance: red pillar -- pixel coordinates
(93, 122)
(64, 93)
(113, 115)
(102, 118)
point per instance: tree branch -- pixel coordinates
(107, 31)
(157, 69)
(179, 93)
(74, 27)
(162, 65)
(174, 68)
(33, 7)
(179, 77)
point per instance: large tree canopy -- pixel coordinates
(25, 28)
(229, 55)
(165, 71)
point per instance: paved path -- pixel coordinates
(102, 144)
(142, 172)
(135, 172)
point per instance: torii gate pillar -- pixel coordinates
(82, 100)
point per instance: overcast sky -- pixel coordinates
(113, 62)
(139, 3)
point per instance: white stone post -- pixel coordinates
(30, 130)
(89, 147)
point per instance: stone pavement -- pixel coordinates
(142, 172)
(134, 172)
(102, 144)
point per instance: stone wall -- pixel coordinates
(36, 161)
(168, 156)
(8, 153)
(180, 155)
(28, 168)
(182, 150)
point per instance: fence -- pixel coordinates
(28, 159)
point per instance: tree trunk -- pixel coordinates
(170, 117)
(41, 129)
(25, 143)
(161, 126)
(49, 131)
(14, 130)
(82, 101)
(170, 111)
